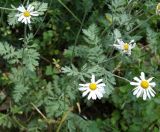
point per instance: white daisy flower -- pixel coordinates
(95, 89)
(143, 87)
(25, 14)
(125, 47)
(158, 9)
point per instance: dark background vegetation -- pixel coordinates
(53, 102)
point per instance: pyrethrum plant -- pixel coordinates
(70, 65)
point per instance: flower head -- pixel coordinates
(158, 9)
(95, 89)
(25, 14)
(144, 87)
(125, 47)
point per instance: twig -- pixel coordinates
(44, 117)
(42, 20)
(117, 67)
(110, 59)
(77, 36)
(48, 121)
(120, 77)
(23, 127)
(63, 119)
(140, 24)
(69, 11)
(10, 9)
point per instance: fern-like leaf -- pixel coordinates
(9, 53)
(30, 58)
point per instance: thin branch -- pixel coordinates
(69, 11)
(63, 119)
(121, 77)
(44, 117)
(10, 9)
(140, 24)
(117, 67)
(77, 36)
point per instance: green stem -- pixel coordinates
(50, 3)
(69, 11)
(117, 67)
(77, 36)
(121, 77)
(140, 24)
(44, 117)
(19, 123)
(110, 59)
(10, 9)
(63, 119)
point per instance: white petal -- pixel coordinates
(100, 80)
(23, 21)
(35, 13)
(84, 85)
(94, 97)
(152, 94)
(142, 76)
(101, 85)
(150, 79)
(20, 18)
(128, 52)
(133, 45)
(28, 19)
(30, 8)
(101, 89)
(144, 95)
(153, 84)
(132, 41)
(120, 41)
(134, 88)
(90, 95)
(99, 95)
(152, 90)
(21, 8)
(83, 88)
(85, 93)
(136, 91)
(19, 14)
(93, 79)
(137, 79)
(117, 46)
(148, 94)
(134, 83)
(139, 93)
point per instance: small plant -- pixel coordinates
(69, 65)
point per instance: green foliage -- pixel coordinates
(40, 7)
(30, 58)
(9, 53)
(28, 55)
(43, 63)
(91, 34)
(19, 81)
(12, 20)
(75, 123)
(153, 43)
(6, 121)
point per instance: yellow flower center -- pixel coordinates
(26, 13)
(93, 86)
(144, 84)
(126, 46)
